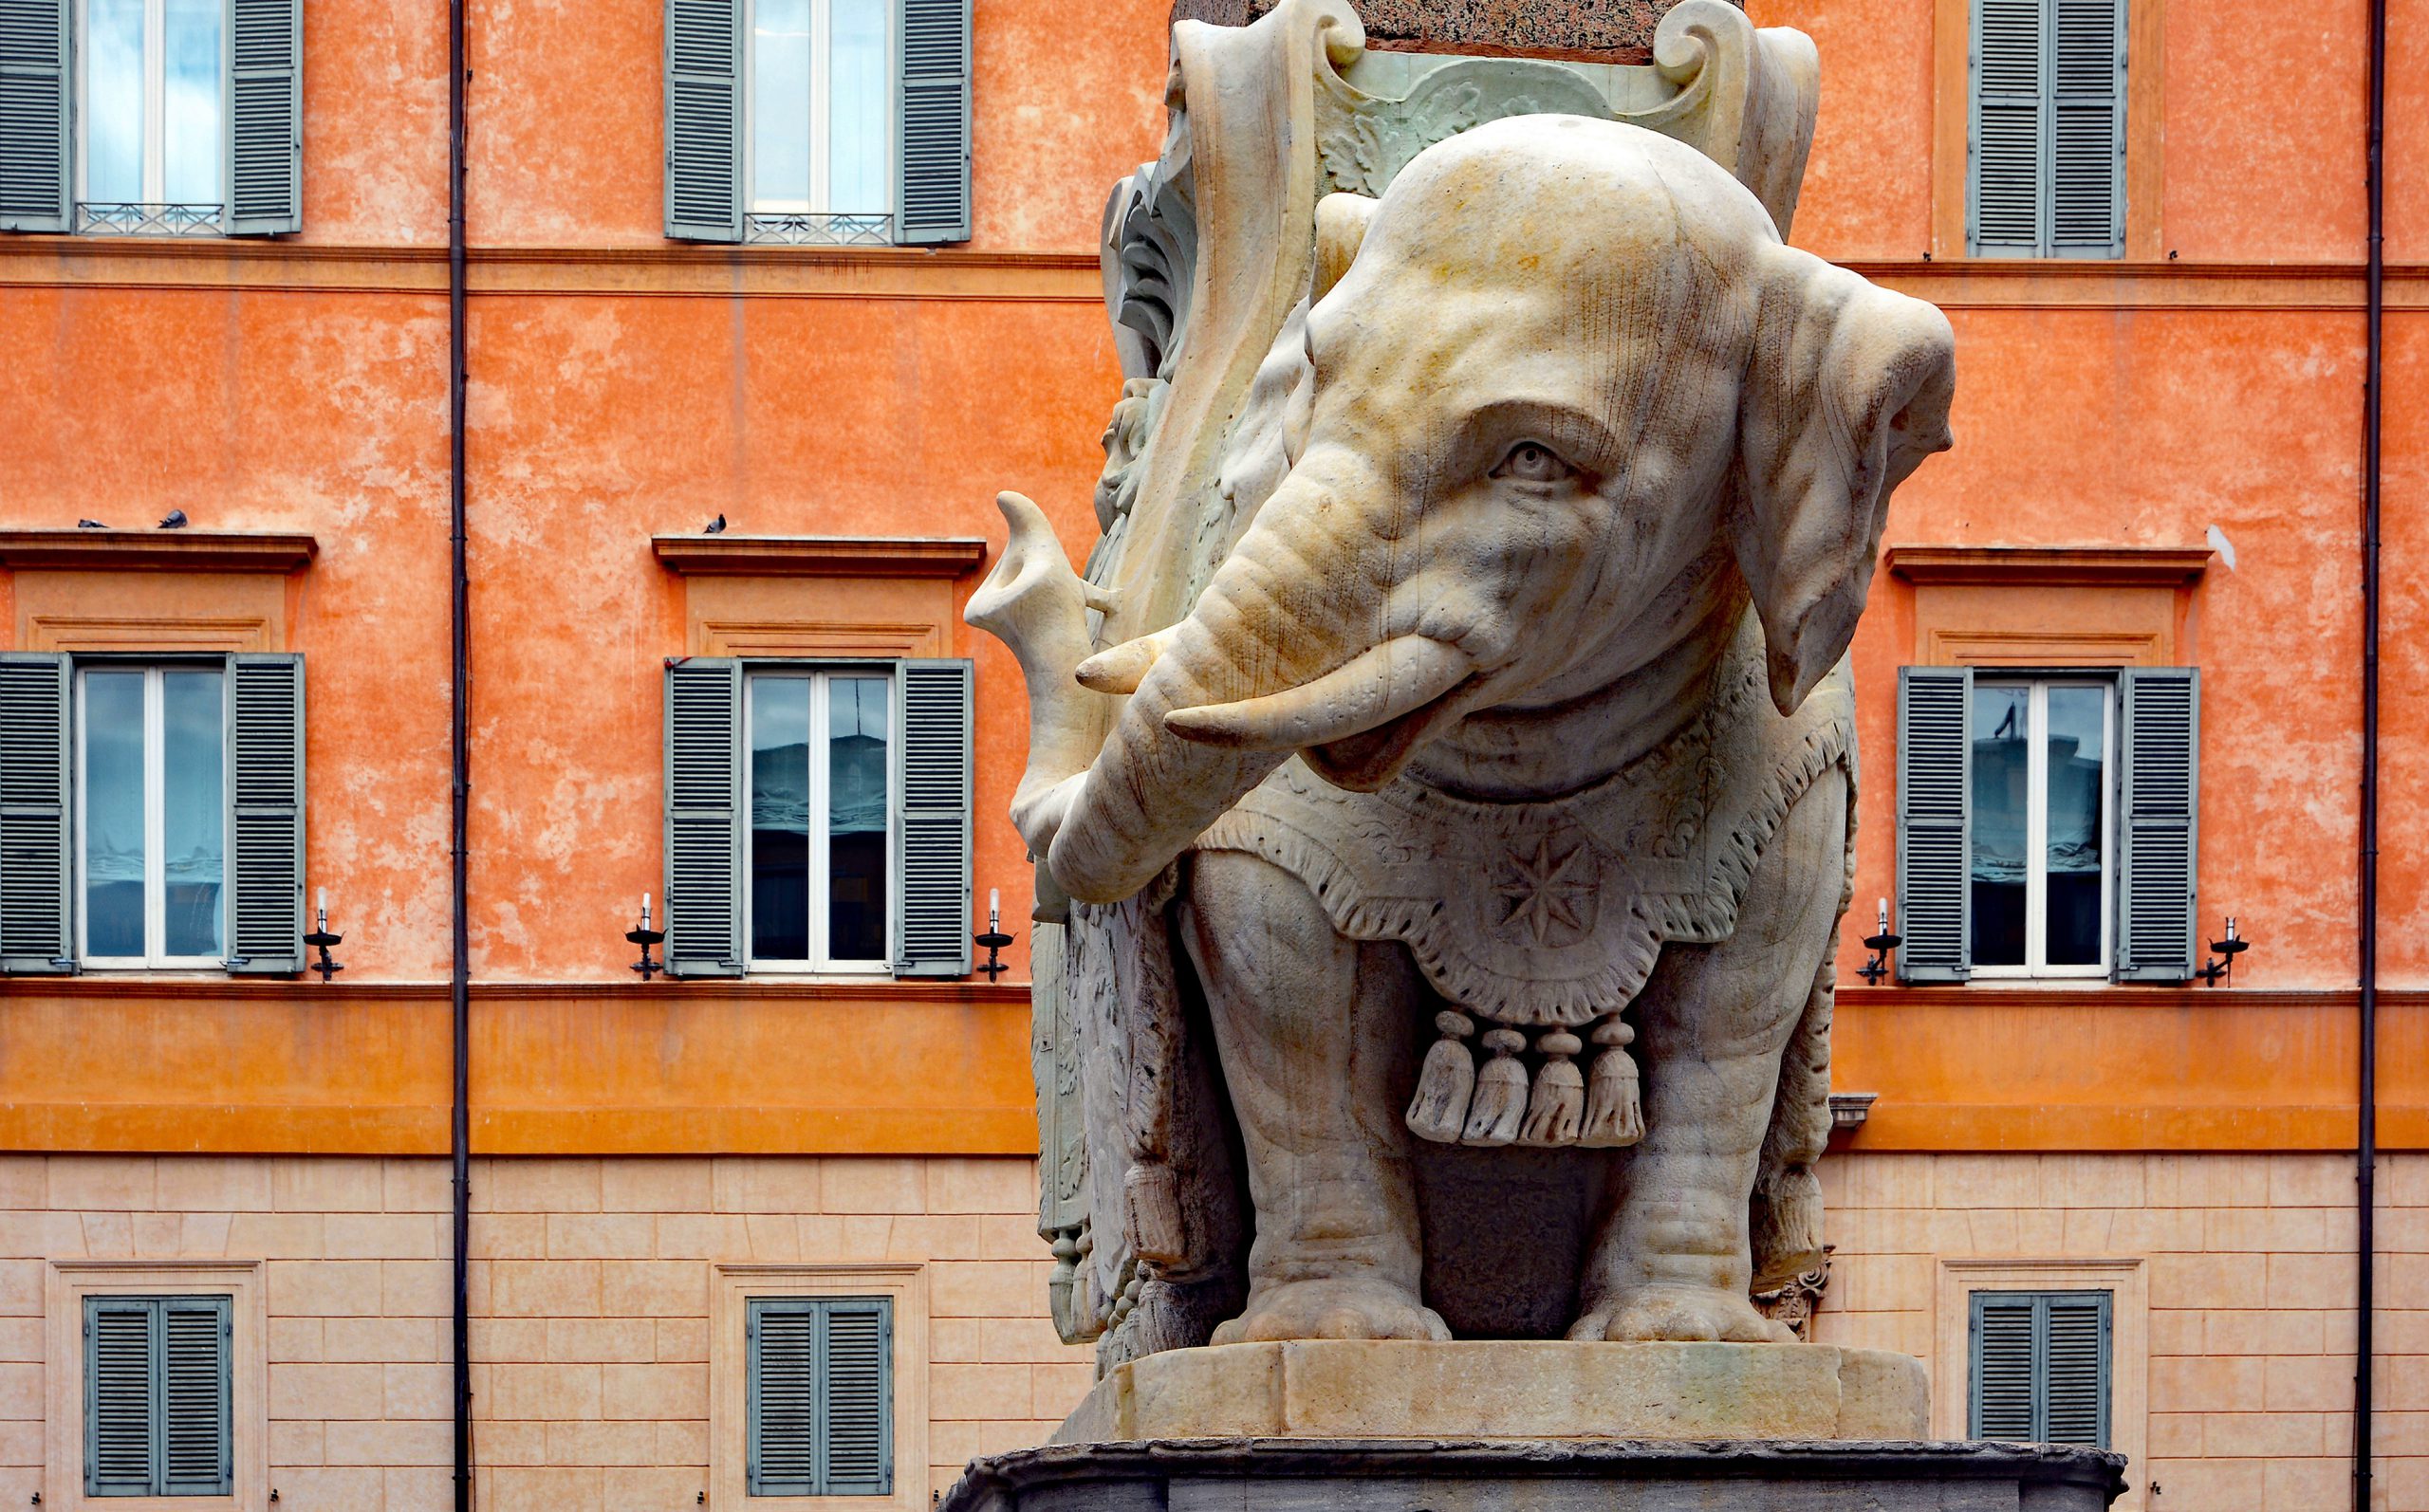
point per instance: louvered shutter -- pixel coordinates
(2159, 802)
(704, 817)
(264, 153)
(2040, 1366)
(33, 114)
(1935, 824)
(932, 138)
(932, 818)
(782, 1345)
(2088, 128)
(2004, 163)
(857, 1458)
(196, 1451)
(2045, 160)
(34, 844)
(820, 1396)
(266, 813)
(704, 120)
(121, 1428)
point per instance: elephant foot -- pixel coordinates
(1350, 1307)
(1679, 1313)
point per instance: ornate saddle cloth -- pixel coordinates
(1554, 911)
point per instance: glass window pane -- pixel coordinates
(859, 180)
(780, 819)
(780, 105)
(856, 810)
(113, 786)
(114, 100)
(194, 801)
(2078, 796)
(2000, 753)
(190, 167)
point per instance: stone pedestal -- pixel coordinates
(1507, 1425)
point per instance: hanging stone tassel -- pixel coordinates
(1500, 1102)
(1553, 1113)
(1439, 1110)
(1614, 1111)
(1151, 1190)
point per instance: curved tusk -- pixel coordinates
(1374, 687)
(1118, 669)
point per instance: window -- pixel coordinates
(2039, 872)
(158, 1417)
(2046, 156)
(820, 783)
(817, 106)
(2046, 824)
(822, 121)
(151, 816)
(821, 1395)
(186, 117)
(153, 813)
(2040, 1366)
(818, 816)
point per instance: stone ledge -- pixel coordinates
(1494, 1389)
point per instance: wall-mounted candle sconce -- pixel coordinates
(321, 939)
(2222, 966)
(645, 938)
(1880, 942)
(995, 939)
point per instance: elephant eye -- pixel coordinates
(1533, 462)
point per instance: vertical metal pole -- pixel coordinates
(2367, 1141)
(459, 1129)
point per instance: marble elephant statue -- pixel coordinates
(1521, 706)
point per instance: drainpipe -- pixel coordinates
(460, 1127)
(2366, 1144)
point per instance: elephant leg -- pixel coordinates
(1671, 1256)
(1312, 1032)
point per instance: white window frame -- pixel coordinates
(2036, 827)
(821, 58)
(155, 886)
(155, 102)
(818, 676)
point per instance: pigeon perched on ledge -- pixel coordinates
(177, 521)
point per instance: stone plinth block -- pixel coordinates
(1546, 1475)
(1506, 1389)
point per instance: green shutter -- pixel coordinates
(196, 1448)
(820, 1396)
(704, 120)
(932, 762)
(704, 817)
(264, 154)
(2039, 1367)
(2045, 167)
(33, 114)
(2088, 128)
(933, 123)
(34, 843)
(1935, 824)
(266, 813)
(120, 1430)
(2158, 805)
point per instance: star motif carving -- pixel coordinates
(1542, 896)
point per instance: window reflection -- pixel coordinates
(856, 817)
(189, 129)
(857, 108)
(780, 819)
(194, 827)
(2076, 798)
(114, 827)
(780, 101)
(2001, 767)
(113, 123)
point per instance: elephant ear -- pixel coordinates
(1846, 392)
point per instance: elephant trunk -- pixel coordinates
(1280, 654)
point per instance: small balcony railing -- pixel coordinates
(132, 219)
(812, 230)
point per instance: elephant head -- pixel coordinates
(1561, 369)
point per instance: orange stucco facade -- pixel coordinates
(623, 387)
